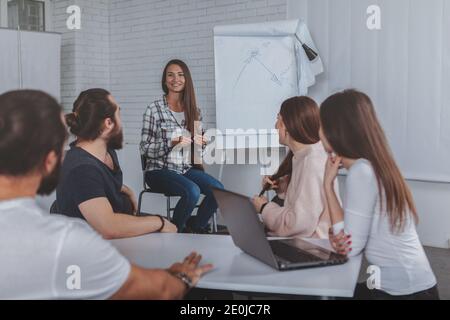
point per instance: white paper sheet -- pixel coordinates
(258, 66)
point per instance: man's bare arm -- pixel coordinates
(100, 215)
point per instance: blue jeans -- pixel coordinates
(189, 187)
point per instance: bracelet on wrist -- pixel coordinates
(163, 224)
(263, 207)
(183, 277)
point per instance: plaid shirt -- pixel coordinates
(159, 129)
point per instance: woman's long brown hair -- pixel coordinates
(189, 102)
(350, 124)
(301, 117)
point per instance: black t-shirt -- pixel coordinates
(83, 178)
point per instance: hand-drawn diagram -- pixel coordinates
(255, 73)
(255, 56)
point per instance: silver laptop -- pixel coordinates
(249, 235)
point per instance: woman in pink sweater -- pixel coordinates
(299, 179)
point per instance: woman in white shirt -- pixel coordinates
(379, 216)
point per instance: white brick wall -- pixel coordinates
(68, 67)
(145, 34)
(124, 44)
(85, 52)
(92, 47)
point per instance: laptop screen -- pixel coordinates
(310, 248)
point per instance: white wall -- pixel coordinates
(431, 198)
(143, 35)
(85, 52)
(406, 78)
(391, 94)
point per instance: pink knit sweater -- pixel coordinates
(305, 213)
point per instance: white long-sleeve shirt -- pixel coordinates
(400, 256)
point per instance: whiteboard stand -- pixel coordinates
(222, 165)
(234, 147)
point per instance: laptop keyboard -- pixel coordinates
(291, 254)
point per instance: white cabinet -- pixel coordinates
(9, 64)
(30, 60)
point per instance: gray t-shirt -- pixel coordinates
(179, 117)
(47, 256)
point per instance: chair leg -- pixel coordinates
(215, 222)
(140, 203)
(168, 208)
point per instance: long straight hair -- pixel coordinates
(189, 102)
(350, 124)
(301, 116)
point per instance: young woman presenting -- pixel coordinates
(171, 138)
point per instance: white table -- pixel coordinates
(237, 271)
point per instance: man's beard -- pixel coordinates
(50, 182)
(115, 141)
